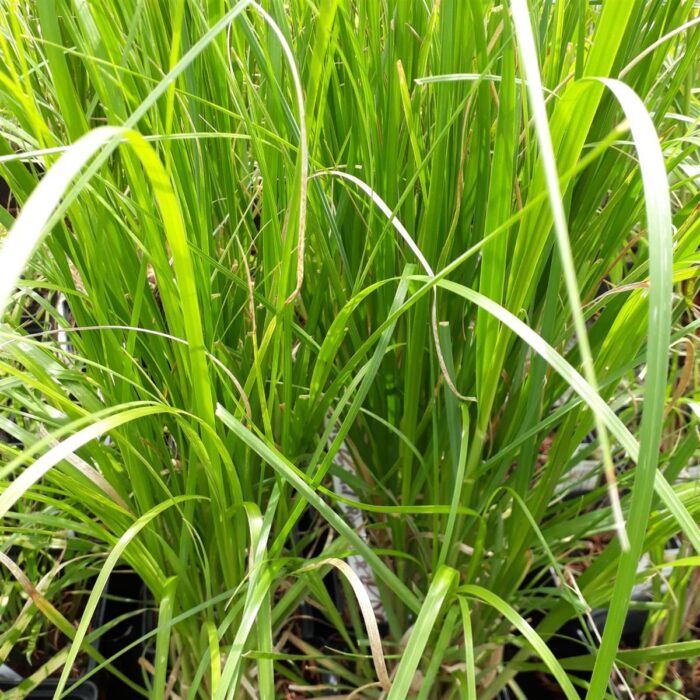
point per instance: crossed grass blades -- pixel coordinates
(466, 230)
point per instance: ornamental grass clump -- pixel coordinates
(455, 243)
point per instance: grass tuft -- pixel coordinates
(444, 254)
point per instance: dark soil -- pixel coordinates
(689, 676)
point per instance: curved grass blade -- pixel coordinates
(522, 625)
(19, 486)
(659, 223)
(368, 615)
(28, 229)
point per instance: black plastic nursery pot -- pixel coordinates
(571, 640)
(87, 690)
(126, 597)
(313, 626)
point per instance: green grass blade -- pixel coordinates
(535, 641)
(526, 44)
(437, 597)
(659, 223)
(165, 615)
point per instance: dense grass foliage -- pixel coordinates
(456, 237)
